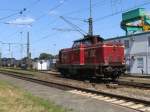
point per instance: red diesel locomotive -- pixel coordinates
(91, 57)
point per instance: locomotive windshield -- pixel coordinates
(88, 40)
(85, 43)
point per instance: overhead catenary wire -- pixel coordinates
(52, 9)
(122, 11)
(8, 10)
(12, 43)
(76, 19)
(101, 18)
(82, 32)
(12, 34)
(33, 4)
(21, 11)
(85, 9)
(44, 37)
(13, 14)
(27, 9)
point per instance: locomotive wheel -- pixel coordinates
(63, 72)
(115, 75)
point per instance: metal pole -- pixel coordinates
(28, 45)
(21, 47)
(147, 55)
(9, 49)
(90, 8)
(90, 20)
(28, 50)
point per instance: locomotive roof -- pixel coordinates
(88, 37)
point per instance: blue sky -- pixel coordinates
(43, 15)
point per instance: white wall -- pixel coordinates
(138, 48)
(45, 65)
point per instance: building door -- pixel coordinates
(141, 65)
(148, 63)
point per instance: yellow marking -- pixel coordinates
(137, 106)
(103, 98)
(146, 109)
(111, 100)
(96, 97)
(99, 97)
(127, 104)
(119, 102)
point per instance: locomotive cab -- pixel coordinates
(88, 41)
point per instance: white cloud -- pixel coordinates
(21, 21)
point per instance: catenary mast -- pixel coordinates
(90, 20)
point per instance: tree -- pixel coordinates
(45, 56)
(35, 59)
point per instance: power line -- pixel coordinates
(44, 37)
(52, 9)
(13, 14)
(33, 4)
(85, 9)
(82, 32)
(11, 34)
(20, 11)
(10, 10)
(122, 11)
(77, 19)
(12, 43)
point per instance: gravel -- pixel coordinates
(70, 101)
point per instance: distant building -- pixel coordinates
(41, 65)
(8, 62)
(137, 51)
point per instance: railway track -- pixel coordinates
(133, 103)
(127, 83)
(119, 82)
(134, 84)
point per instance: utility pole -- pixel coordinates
(10, 51)
(28, 45)
(28, 50)
(90, 20)
(21, 46)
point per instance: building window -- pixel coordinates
(148, 41)
(114, 41)
(140, 63)
(126, 43)
(119, 41)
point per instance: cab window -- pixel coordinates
(76, 44)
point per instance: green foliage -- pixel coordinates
(45, 56)
(48, 106)
(14, 99)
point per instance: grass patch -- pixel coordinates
(25, 72)
(13, 99)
